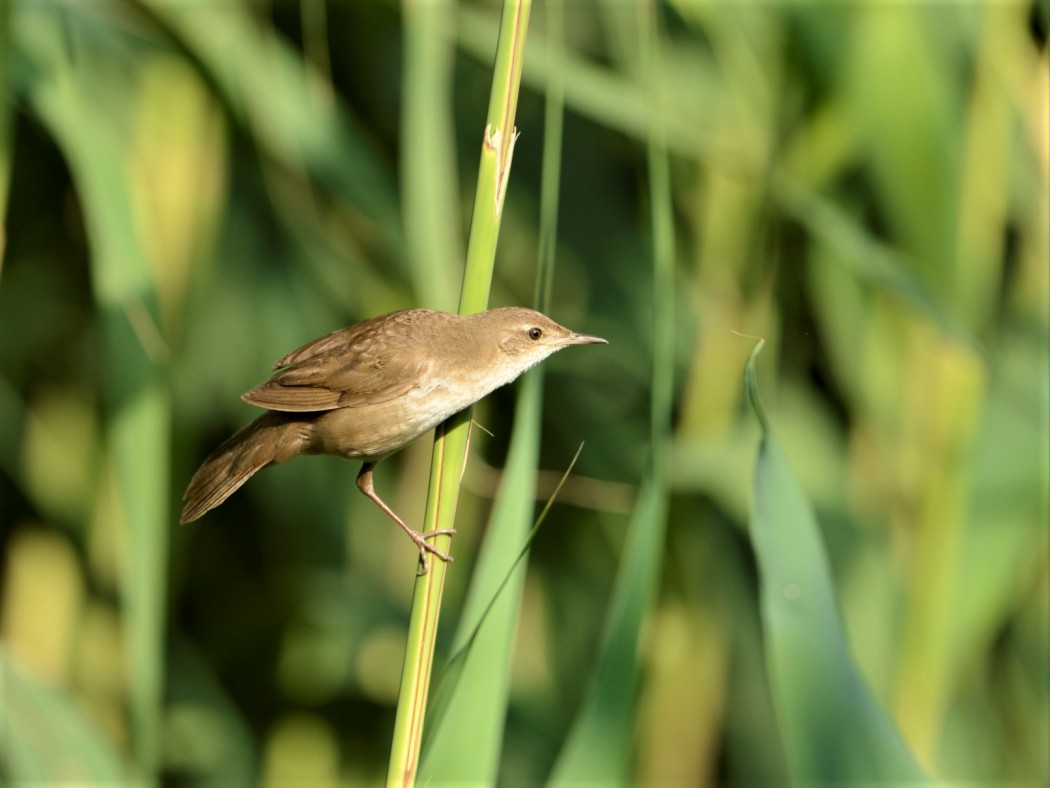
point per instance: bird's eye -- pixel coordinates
(535, 333)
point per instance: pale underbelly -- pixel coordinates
(371, 432)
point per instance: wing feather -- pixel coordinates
(347, 368)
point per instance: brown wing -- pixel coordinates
(370, 362)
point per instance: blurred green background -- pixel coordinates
(192, 189)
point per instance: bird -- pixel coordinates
(367, 391)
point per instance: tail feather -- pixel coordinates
(271, 438)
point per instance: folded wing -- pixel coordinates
(347, 368)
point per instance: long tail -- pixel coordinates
(271, 438)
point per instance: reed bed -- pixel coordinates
(849, 582)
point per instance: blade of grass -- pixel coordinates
(450, 443)
(453, 672)
(833, 728)
(599, 741)
(598, 745)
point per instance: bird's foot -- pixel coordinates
(425, 547)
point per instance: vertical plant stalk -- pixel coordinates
(464, 738)
(450, 442)
(599, 742)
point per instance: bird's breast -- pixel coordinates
(371, 432)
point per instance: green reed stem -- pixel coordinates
(450, 443)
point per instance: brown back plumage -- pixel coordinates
(365, 364)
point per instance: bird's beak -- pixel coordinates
(584, 339)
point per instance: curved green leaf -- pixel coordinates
(833, 728)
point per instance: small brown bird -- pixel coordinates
(366, 391)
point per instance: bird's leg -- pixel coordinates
(364, 484)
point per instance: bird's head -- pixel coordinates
(530, 336)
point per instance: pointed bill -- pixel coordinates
(584, 339)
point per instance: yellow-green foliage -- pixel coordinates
(192, 189)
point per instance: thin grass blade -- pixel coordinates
(599, 741)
